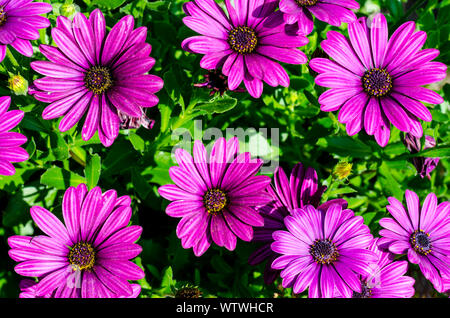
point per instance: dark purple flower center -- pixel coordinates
(98, 79)
(306, 3)
(3, 16)
(82, 256)
(243, 39)
(324, 251)
(420, 242)
(366, 291)
(377, 82)
(215, 200)
(215, 81)
(188, 292)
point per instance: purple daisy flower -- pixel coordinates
(325, 250)
(375, 82)
(421, 232)
(246, 42)
(387, 278)
(10, 142)
(423, 165)
(89, 256)
(20, 22)
(96, 73)
(333, 12)
(215, 195)
(300, 190)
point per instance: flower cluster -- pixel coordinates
(324, 248)
(101, 78)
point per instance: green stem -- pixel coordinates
(329, 189)
(77, 158)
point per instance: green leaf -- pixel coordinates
(298, 83)
(61, 179)
(93, 170)
(172, 87)
(119, 158)
(441, 152)
(31, 147)
(140, 183)
(219, 105)
(167, 278)
(158, 5)
(111, 4)
(345, 146)
(343, 190)
(59, 147)
(137, 142)
(390, 184)
(14, 213)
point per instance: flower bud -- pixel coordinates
(343, 169)
(18, 84)
(68, 10)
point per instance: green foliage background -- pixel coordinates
(137, 163)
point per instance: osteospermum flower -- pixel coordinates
(387, 278)
(375, 82)
(420, 232)
(215, 195)
(20, 22)
(300, 190)
(333, 12)
(324, 250)
(245, 42)
(95, 73)
(88, 256)
(10, 142)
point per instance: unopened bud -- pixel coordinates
(343, 169)
(68, 10)
(18, 85)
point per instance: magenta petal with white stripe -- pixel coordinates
(10, 142)
(88, 255)
(215, 195)
(99, 76)
(390, 72)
